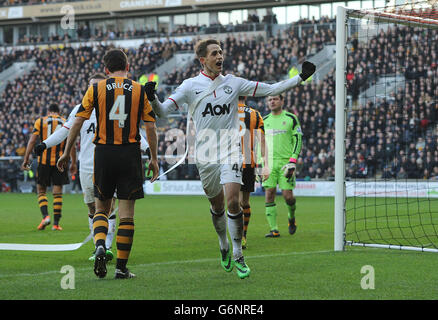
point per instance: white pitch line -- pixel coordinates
(152, 264)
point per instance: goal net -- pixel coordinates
(386, 127)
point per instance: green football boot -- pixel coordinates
(226, 261)
(243, 270)
(93, 256)
(109, 255)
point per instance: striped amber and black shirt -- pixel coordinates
(43, 128)
(252, 121)
(120, 104)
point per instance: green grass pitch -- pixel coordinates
(175, 256)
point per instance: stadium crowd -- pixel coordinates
(400, 51)
(393, 138)
(54, 79)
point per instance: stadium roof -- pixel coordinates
(98, 9)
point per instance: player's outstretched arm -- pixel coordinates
(275, 89)
(57, 137)
(161, 109)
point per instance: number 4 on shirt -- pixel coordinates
(117, 111)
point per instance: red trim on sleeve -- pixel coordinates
(255, 89)
(174, 103)
(66, 127)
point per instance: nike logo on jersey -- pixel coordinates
(216, 110)
(198, 92)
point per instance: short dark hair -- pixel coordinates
(54, 107)
(98, 75)
(201, 46)
(115, 60)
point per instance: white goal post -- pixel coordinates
(400, 16)
(341, 109)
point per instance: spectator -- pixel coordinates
(387, 173)
(12, 172)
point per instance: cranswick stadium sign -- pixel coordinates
(94, 7)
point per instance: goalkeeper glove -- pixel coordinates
(39, 148)
(307, 70)
(289, 169)
(149, 88)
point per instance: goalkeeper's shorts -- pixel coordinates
(276, 177)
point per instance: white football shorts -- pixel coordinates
(87, 186)
(214, 176)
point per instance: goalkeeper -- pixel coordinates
(284, 141)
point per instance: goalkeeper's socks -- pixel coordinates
(235, 228)
(43, 204)
(291, 207)
(246, 217)
(57, 207)
(100, 228)
(124, 239)
(271, 215)
(111, 230)
(220, 224)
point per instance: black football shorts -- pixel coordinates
(50, 175)
(248, 179)
(118, 168)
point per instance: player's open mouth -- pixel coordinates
(219, 64)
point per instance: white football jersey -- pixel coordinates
(216, 116)
(86, 153)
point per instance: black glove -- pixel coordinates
(149, 88)
(308, 68)
(39, 148)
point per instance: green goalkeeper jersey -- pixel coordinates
(283, 136)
